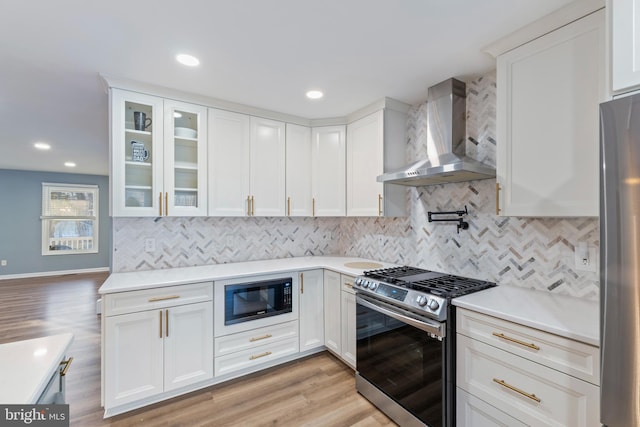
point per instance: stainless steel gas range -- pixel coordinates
(405, 326)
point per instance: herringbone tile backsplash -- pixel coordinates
(529, 252)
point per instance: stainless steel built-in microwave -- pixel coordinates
(256, 300)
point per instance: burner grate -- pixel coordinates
(394, 272)
(450, 286)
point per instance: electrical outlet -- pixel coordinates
(586, 257)
(3, 263)
(150, 244)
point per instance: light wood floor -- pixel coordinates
(315, 391)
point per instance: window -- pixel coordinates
(69, 219)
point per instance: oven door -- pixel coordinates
(402, 355)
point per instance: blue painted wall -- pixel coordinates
(21, 227)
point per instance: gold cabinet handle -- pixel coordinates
(517, 341)
(166, 204)
(348, 284)
(498, 198)
(166, 322)
(258, 356)
(66, 364)
(379, 204)
(160, 323)
(248, 205)
(154, 299)
(263, 337)
(160, 203)
(517, 390)
(313, 206)
(302, 283)
(288, 206)
(253, 206)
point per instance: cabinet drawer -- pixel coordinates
(572, 357)
(148, 299)
(255, 356)
(255, 338)
(472, 412)
(528, 391)
(347, 283)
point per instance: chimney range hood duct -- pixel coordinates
(446, 127)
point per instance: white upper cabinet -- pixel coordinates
(267, 167)
(625, 44)
(154, 171)
(185, 158)
(375, 144)
(229, 145)
(247, 165)
(365, 141)
(547, 122)
(328, 175)
(298, 171)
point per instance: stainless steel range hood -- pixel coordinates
(446, 128)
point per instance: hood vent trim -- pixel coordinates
(446, 145)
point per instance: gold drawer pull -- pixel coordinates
(348, 285)
(264, 337)
(379, 204)
(258, 356)
(154, 299)
(66, 364)
(517, 390)
(526, 344)
(498, 188)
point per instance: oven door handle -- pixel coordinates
(435, 328)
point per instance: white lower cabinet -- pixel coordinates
(246, 350)
(311, 312)
(522, 375)
(348, 323)
(471, 411)
(332, 316)
(340, 316)
(163, 348)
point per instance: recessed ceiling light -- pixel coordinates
(70, 164)
(42, 146)
(188, 60)
(315, 94)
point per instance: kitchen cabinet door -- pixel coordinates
(625, 44)
(547, 122)
(229, 145)
(185, 159)
(137, 154)
(473, 412)
(332, 316)
(133, 352)
(188, 345)
(298, 170)
(348, 321)
(311, 317)
(267, 165)
(365, 145)
(328, 174)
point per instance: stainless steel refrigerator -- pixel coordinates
(620, 261)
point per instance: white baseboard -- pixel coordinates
(53, 273)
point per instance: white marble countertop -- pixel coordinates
(27, 367)
(130, 281)
(567, 316)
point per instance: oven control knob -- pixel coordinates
(358, 282)
(373, 286)
(421, 300)
(434, 305)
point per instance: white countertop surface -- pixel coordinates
(27, 367)
(130, 281)
(567, 316)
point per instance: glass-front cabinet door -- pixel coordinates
(136, 150)
(159, 159)
(185, 159)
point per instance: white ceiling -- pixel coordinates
(263, 53)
